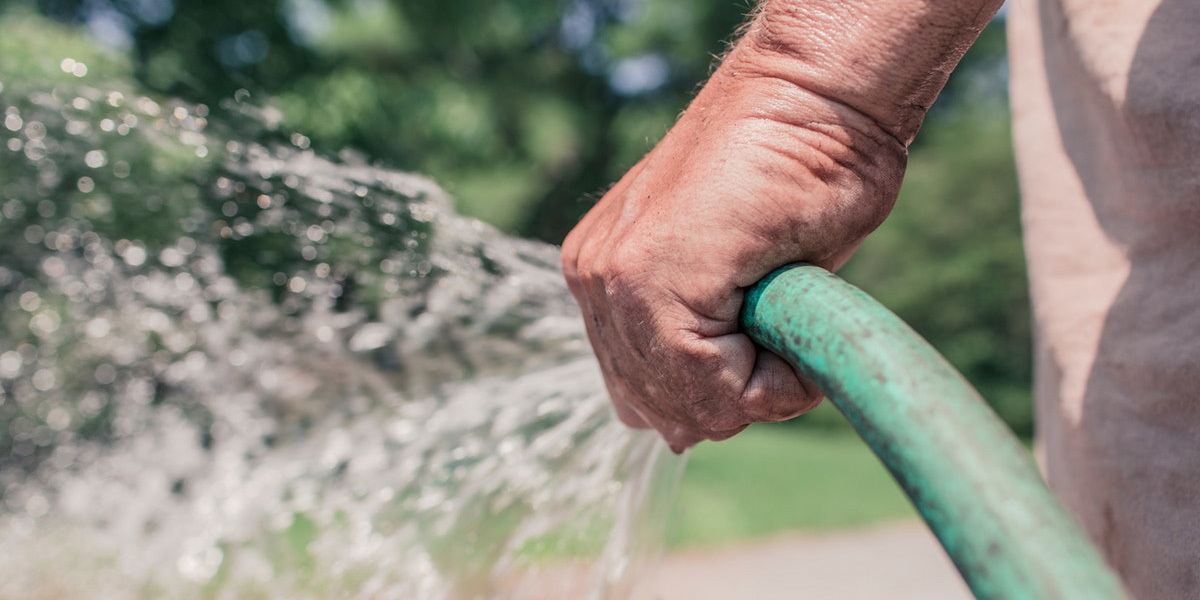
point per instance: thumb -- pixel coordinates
(775, 391)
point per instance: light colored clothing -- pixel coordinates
(1106, 105)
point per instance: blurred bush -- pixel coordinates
(526, 109)
(522, 107)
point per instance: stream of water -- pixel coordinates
(233, 368)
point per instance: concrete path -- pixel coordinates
(898, 561)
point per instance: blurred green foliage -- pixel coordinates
(526, 109)
(520, 107)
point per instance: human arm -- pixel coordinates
(793, 151)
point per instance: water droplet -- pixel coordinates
(148, 107)
(45, 323)
(184, 282)
(98, 328)
(324, 333)
(10, 364)
(200, 564)
(105, 374)
(95, 159)
(35, 150)
(34, 234)
(134, 256)
(77, 127)
(29, 301)
(43, 380)
(58, 418)
(35, 130)
(54, 267)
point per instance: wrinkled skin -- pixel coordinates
(757, 173)
(793, 151)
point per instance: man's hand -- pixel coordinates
(756, 174)
(763, 169)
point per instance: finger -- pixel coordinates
(580, 243)
(723, 378)
(629, 415)
(632, 402)
(679, 439)
(775, 392)
(717, 436)
(842, 256)
(618, 393)
(569, 257)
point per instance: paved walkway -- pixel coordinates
(898, 561)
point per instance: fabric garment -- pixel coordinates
(1106, 108)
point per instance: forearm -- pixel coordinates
(887, 59)
(793, 151)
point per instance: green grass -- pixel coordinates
(774, 478)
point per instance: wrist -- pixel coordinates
(830, 171)
(885, 60)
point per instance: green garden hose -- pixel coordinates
(969, 477)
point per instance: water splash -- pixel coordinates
(235, 369)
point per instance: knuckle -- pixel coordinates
(590, 277)
(704, 356)
(586, 270)
(624, 267)
(757, 400)
(615, 276)
(569, 260)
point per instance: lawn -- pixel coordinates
(774, 478)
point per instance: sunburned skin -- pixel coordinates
(793, 151)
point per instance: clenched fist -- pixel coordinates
(760, 171)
